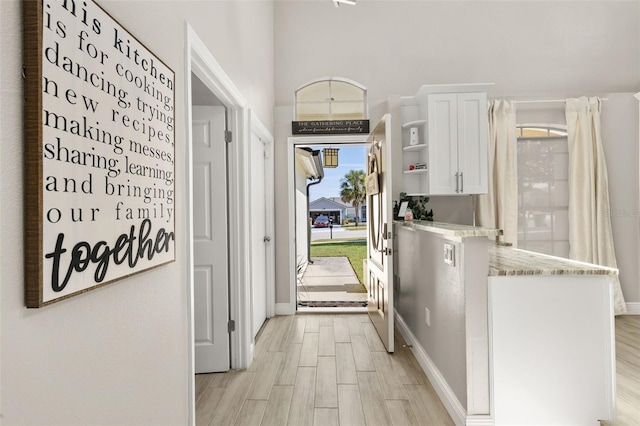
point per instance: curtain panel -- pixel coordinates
(590, 236)
(499, 207)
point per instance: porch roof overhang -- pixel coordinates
(311, 163)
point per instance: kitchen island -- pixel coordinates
(506, 336)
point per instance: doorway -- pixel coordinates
(209, 217)
(241, 122)
(329, 253)
(261, 228)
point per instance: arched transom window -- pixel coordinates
(331, 99)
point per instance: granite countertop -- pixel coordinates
(449, 229)
(504, 260)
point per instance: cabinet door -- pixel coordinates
(472, 142)
(443, 149)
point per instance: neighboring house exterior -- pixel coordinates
(350, 211)
(336, 210)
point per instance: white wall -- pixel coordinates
(620, 139)
(116, 355)
(527, 48)
(282, 120)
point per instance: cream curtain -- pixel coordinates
(499, 207)
(590, 237)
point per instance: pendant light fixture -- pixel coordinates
(330, 156)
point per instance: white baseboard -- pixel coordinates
(285, 309)
(479, 420)
(451, 403)
(252, 352)
(633, 308)
(449, 399)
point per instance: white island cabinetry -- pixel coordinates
(552, 336)
(506, 336)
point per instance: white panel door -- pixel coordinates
(379, 243)
(258, 234)
(472, 142)
(211, 274)
(442, 128)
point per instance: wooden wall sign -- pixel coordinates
(99, 152)
(331, 127)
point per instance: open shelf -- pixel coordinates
(415, 172)
(418, 147)
(414, 124)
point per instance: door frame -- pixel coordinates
(292, 141)
(200, 61)
(256, 126)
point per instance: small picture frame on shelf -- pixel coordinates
(402, 210)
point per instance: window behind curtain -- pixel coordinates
(543, 190)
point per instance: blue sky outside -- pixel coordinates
(349, 158)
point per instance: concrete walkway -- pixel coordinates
(330, 281)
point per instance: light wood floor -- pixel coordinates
(325, 369)
(321, 370)
(628, 371)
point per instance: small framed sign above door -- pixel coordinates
(330, 127)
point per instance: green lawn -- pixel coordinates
(354, 228)
(355, 251)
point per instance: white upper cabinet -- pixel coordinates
(452, 142)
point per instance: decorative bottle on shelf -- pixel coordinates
(408, 216)
(413, 136)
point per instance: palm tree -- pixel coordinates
(352, 190)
